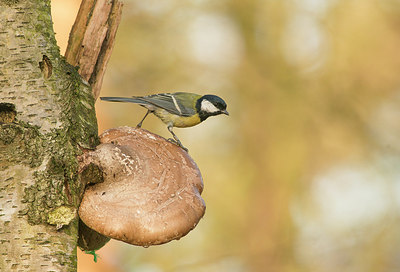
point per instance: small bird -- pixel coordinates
(179, 109)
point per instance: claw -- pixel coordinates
(178, 143)
(176, 139)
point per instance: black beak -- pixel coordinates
(225, 112)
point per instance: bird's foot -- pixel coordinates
(178, 143)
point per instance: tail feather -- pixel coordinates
(124, 99)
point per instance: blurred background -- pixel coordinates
(304, 174)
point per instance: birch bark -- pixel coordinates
(46, 118)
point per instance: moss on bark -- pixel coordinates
(52, 118)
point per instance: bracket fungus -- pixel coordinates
(150, 189)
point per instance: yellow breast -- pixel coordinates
(177, 121)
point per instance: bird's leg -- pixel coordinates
(141, 122)
(176, 139)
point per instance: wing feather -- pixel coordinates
(171, 102)
(182, 104)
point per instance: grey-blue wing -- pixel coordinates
(168, 102)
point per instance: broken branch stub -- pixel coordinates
(92, 38)
(151, 189)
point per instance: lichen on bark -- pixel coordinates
(56, 151)
(53, 119)
(58, 183)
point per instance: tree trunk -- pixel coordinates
(46, 118)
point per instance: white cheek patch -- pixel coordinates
(208, 106)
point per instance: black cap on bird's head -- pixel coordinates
(209, 105)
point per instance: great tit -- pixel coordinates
(179, 109)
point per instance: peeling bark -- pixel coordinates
(92, 38)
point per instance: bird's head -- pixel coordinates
(210, 105)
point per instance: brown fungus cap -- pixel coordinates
(151, 189)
